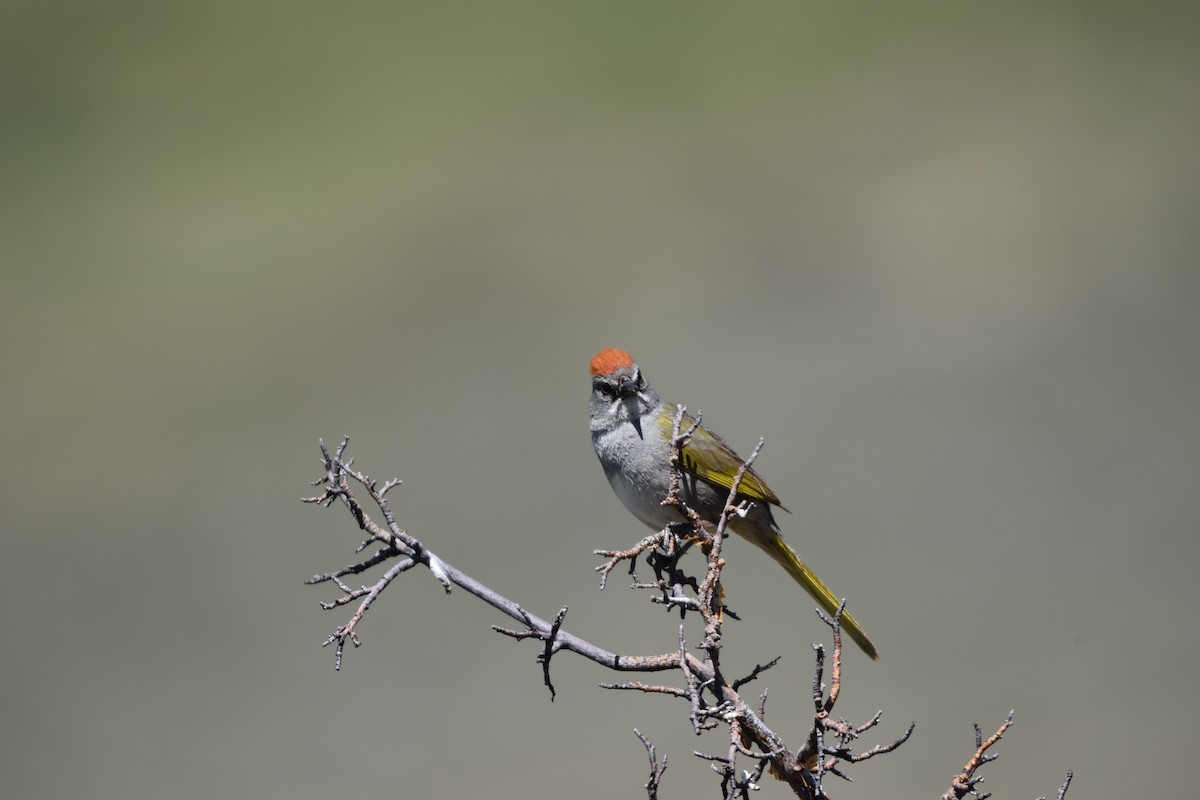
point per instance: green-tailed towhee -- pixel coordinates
(631, 430)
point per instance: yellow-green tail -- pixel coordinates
(779, 550)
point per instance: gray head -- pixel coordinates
(620, 393)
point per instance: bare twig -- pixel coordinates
(966, 781)
(758, 670)
(550, 649)
(648, 688)
(1062, 789)
(549, 637)
(615, 557)
(657, 768)
(679, 440)
(819, 754)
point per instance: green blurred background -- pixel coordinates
(944, 256)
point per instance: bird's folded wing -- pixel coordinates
(708, 457)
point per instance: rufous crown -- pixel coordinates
(609, 360)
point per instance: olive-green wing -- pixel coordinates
(708, 457)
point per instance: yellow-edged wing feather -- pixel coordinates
(708, 457)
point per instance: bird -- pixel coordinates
(632, 429)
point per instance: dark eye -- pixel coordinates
(605, 390)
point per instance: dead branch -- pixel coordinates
(967, 781)
(1062, 789)
(657, 768)
(712, 699)
(398, 544)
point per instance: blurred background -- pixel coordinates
(943, 256)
